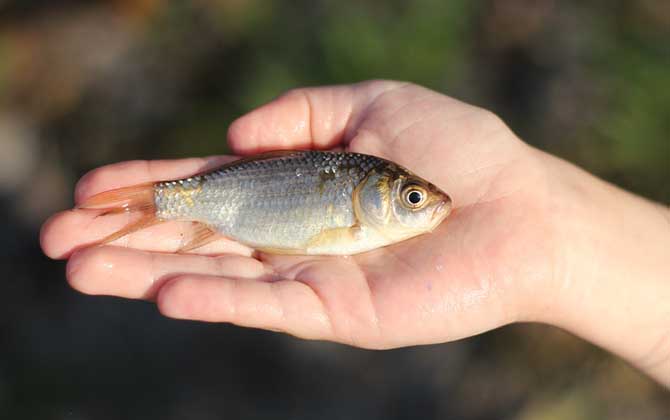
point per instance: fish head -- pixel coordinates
(400, 204)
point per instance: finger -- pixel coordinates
(306, 118)
(68, 231)
(134, 172)
(109, 270)
(285, 305)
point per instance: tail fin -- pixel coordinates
(138, 198)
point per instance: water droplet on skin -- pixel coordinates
(439, 267)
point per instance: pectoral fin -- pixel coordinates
(336, 240)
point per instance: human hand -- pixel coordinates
(499, 258)
(441, 286)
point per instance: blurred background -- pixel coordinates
(85, 83)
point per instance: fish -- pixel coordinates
(289, 202)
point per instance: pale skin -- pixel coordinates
(532, 238)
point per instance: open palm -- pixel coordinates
(477, 271)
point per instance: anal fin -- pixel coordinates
(202, 235)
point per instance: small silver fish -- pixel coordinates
(291, 202)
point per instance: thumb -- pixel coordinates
(305, 118)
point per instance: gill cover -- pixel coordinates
(372, 200)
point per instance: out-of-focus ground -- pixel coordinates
(84, 83)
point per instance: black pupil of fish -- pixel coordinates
(414, 197)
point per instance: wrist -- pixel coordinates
(612, 284)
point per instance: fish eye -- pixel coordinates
(414, 196)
